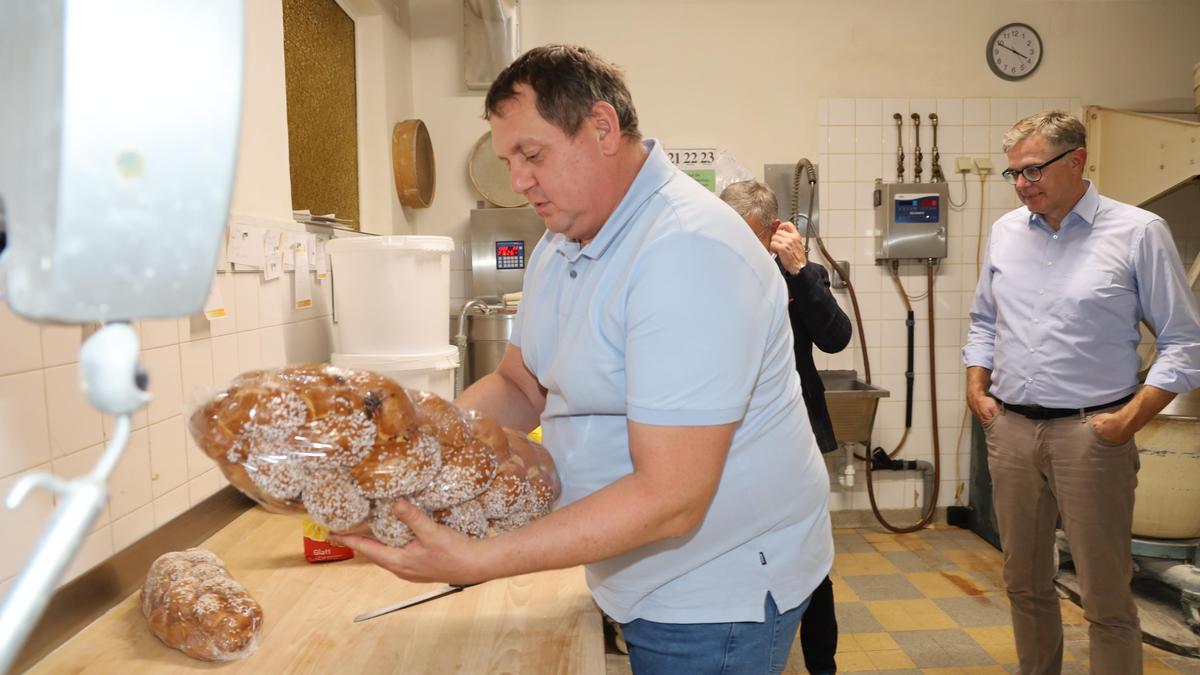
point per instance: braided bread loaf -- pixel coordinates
(192, 604)
(342, 445)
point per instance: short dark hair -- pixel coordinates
(568, 81)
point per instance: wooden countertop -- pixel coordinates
(532, 624)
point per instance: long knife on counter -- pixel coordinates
(411, 602)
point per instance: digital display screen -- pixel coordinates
(920, 209)
(510, 255)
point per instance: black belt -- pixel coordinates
(1037, 412)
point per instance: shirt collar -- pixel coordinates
(656, 171)
(1084, 211)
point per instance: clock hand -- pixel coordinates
(1012, 50)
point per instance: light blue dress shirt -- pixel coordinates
(1056, 314)
(675, 315)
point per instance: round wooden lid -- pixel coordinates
(489, 175)
(412, 164)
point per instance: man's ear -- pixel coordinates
(607, 128)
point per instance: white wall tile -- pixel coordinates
(81, 463)
(165, 382)
(841, 139)
(225, 359)
(140, 420)
(22, 342)
(274, 300)
(196, 371)
(194, 327)
(869, 139)
(996, 139)
(74, 423)
(246, 294)
(204, 485)
(249, 351)
(841, 195)
(950, 142)
(132, 527)
(922, 106)
(869, 167)
(24, 434)
(129, 484)
(96, 548)
(976, 141)
(977, 111)
(842, 111)
(309, 341)
(890, 107)
(867, 110)
(1027, 107)
(170, 505)
(23, 526)
(273, 346)
(168, 458)
(158, 332)
(228, 323)
(60, 344)
(1003, 111)
(839, 168)
(950, 111)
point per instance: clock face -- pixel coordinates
(1014, 51)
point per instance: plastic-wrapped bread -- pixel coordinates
(192, 604)
(342, 445)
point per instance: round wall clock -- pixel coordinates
(1014, 51)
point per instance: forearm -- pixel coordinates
(502, 400)
(979, 380)
(1147, 402)
(675, 476)
(625, 515)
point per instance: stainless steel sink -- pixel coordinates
(851, 404)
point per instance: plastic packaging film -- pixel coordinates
(342, 445)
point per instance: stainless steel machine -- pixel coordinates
(911, 220)
(501, 241)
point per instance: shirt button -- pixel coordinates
(1029, 379)
(1055, 236)
(1031, 350)
(1041, 291)
(574, 274)
(1036, 320)
(1050, 263)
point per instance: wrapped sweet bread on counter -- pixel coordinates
(192, 604)
(342, 445)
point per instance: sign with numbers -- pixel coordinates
(691, 156)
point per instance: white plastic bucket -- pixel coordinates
(432, 371)
(390, 294)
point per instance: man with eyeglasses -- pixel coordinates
(1052, 374)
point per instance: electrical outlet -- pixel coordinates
(983, 166)
(963, 164)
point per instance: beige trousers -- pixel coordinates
(1043, 469)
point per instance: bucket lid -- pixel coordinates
(434, 244)
(442, 359)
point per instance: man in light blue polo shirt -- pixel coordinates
(653, 346)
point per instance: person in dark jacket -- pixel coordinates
(817, 320)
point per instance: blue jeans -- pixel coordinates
(749, 647)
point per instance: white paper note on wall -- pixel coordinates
(322, 260)
(302, 285)
(214, 306)
(273, 252)
(245, 245)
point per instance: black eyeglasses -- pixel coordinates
(1033, 172)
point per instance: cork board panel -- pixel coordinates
(318, 51)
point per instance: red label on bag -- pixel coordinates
(318, 549)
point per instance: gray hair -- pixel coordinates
(750, 197)
(1063, 131)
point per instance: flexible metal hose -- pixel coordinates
(926, 517)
